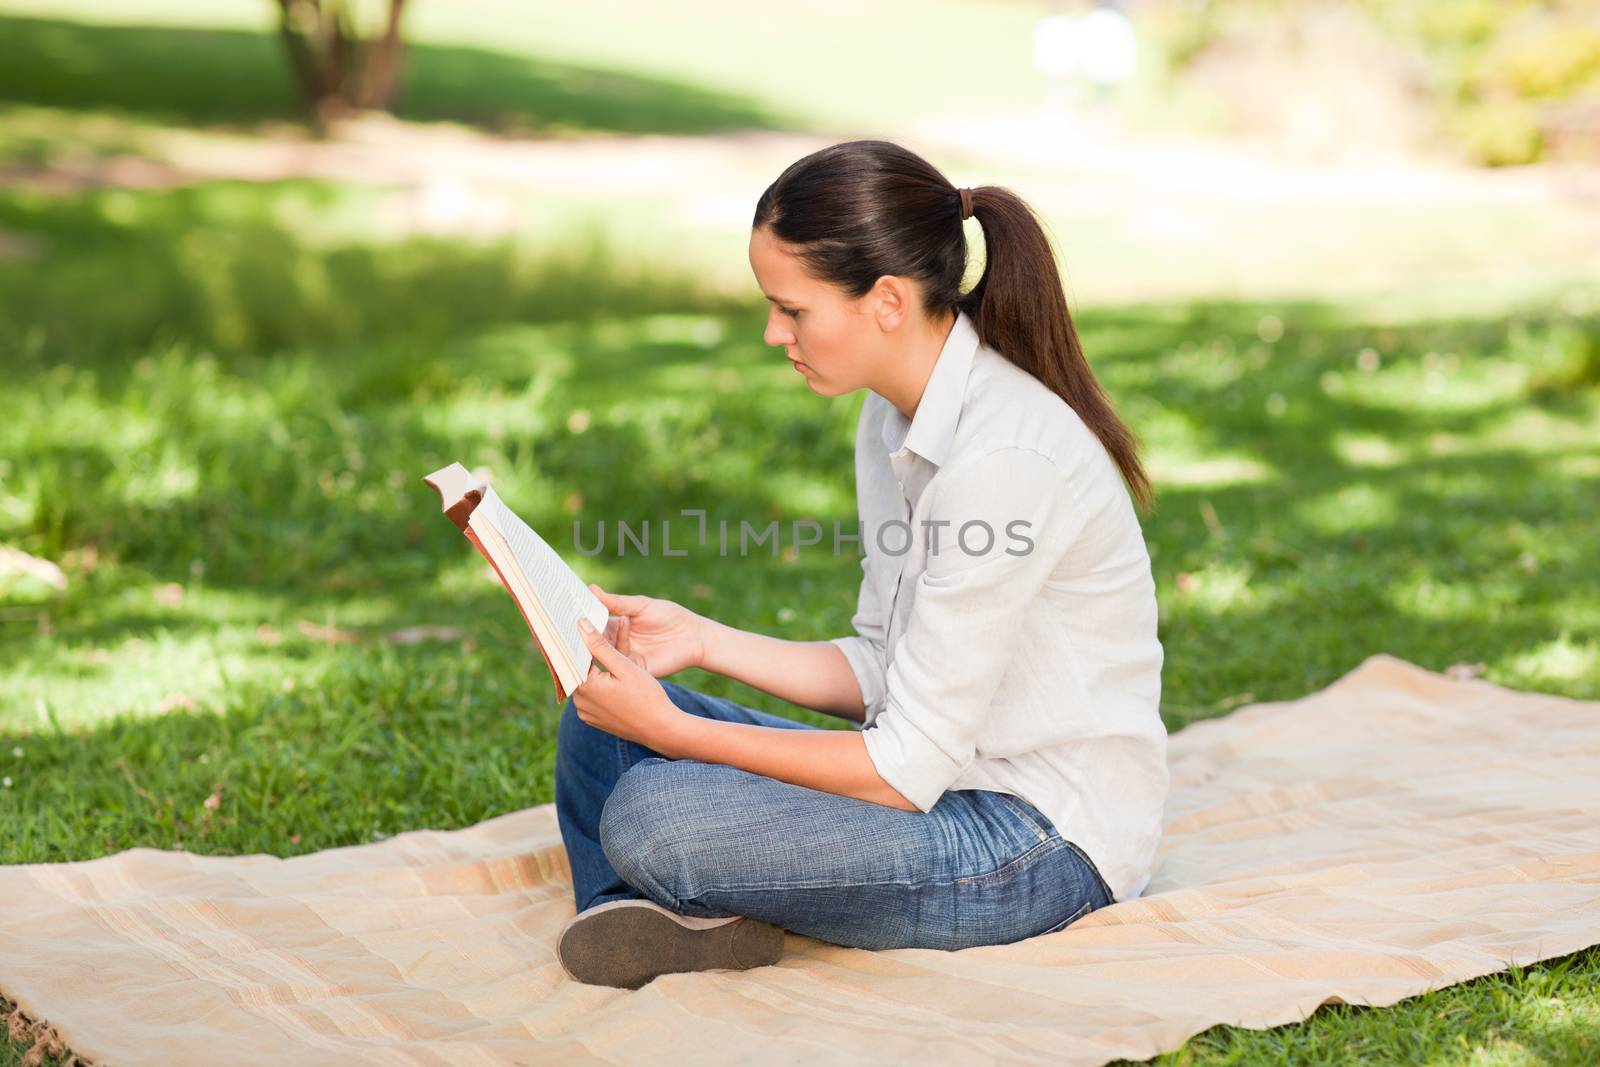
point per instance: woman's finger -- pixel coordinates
(617, 603)
(602, 650)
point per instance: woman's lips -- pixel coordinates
(801, 367)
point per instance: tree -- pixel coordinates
(338, 70)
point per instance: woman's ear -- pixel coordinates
(893, 297)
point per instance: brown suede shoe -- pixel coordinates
(625, 943)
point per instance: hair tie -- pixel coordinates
(966, 203)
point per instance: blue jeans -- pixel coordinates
(707, 839)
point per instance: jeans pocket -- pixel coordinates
(1029, 814)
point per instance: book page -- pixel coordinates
(563, 597)
(505, 562)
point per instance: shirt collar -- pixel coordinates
(932, 427)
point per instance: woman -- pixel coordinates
(1008, 771)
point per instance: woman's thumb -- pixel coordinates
(614, 602)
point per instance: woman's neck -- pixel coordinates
(907, 371)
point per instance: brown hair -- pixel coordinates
(862, 209)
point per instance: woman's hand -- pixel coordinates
(667, 637)
(624, 700)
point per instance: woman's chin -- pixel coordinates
(820, 386)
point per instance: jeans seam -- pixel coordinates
(1011, 866)
(1008, 800)
(1047, 843)
(1088, 906)
(1023, 814)
(1111, 897)
(744, 887)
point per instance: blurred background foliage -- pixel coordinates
(1502, 81)
(1517, 80)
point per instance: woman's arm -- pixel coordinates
(812, 674)
(833, 761)
(627, 700)
(669, 637)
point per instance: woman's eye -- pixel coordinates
(791, 314)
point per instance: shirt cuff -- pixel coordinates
(910, 760)
(862, 656)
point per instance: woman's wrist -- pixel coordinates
(706, 640)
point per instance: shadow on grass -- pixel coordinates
(238, 78)
(211, 267)
(1399, 487)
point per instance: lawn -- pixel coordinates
(219, 401)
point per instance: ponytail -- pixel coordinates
(862, 209)
(1020, 309)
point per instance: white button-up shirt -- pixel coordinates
(1006, 625)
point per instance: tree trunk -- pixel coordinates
(335, 70)
(381, 76)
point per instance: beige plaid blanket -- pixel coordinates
(1395, 832)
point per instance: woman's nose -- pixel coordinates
(778, 334)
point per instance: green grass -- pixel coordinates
(218, 427)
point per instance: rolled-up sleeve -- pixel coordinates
(970, 609)
(863, 650)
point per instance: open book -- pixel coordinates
(551, 597)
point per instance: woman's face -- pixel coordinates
(829, 337)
